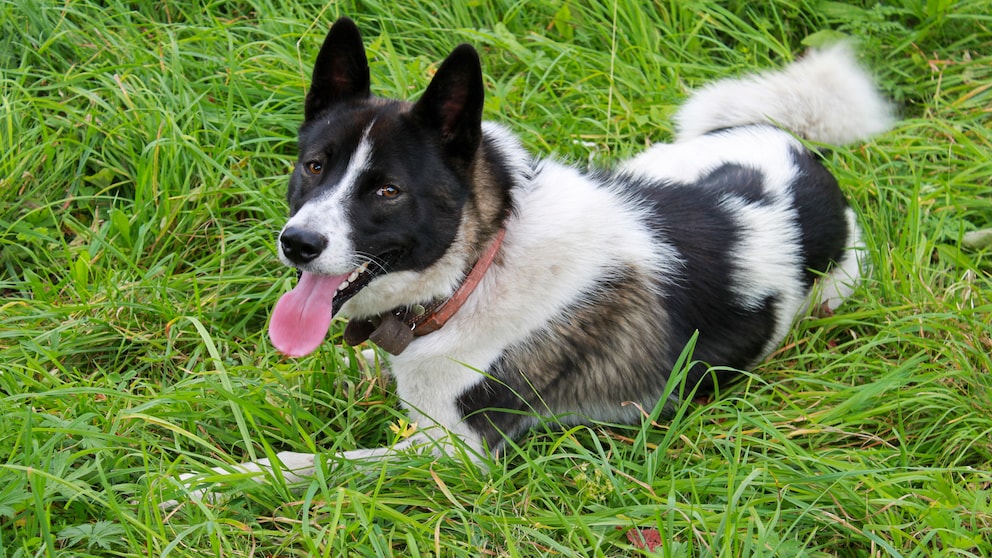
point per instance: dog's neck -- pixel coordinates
(394, 330)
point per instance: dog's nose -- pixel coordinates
(301, 246)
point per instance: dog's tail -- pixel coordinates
(825, 97)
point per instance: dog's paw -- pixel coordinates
(189, 494)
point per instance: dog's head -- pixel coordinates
(378, 195)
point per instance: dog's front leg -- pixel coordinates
(292, 466)
(295, 467)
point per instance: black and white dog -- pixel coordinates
(510, 287)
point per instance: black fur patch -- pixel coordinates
(821, 207)
(705, 235)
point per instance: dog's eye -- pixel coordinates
(388, 191)
(314, 167)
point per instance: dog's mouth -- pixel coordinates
(354, 282)
(302, 316)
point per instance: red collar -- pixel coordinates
(435, 320)
(395, 330)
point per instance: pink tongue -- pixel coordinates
(302, 316)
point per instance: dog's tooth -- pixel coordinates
(344, 285)
(363, 268)
(353, 276)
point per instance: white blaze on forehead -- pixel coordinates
(327, 215)
(360, 161)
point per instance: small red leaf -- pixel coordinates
(644, 537)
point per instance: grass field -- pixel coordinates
(144, 151)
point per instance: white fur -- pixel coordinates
(824, 97)
(840, 282)
(687, 161)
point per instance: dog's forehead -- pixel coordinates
(344, 127)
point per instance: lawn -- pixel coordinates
(144, 152)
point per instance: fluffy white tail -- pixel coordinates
(824, 97)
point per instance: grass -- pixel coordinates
(144, 148)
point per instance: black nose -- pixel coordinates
(301, 246)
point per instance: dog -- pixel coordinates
(510, 287)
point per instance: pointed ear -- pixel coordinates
(341, 71)
(453, 102)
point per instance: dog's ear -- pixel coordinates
(341, 72)
(453, 102)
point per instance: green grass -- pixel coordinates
(144, 148)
